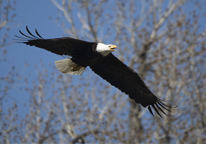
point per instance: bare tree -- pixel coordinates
(163, 41)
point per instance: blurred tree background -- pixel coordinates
(164, 41)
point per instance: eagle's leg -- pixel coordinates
(75, 67)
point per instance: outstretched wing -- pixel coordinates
(128, 81)
(61, 46)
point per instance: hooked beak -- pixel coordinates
(113, 47)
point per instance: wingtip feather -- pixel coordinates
(150, 110)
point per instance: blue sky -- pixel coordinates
(34, 14)
(26, 59)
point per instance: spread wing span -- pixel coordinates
(109, 68)
(128, 81)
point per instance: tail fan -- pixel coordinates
(66, 66)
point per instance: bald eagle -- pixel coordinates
(99, 58)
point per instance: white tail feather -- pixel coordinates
(65, 66)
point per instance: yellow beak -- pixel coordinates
(113, 47)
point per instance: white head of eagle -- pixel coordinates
(104, 49)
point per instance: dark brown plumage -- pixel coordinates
(108, 67)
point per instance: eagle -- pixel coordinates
(99, 57)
